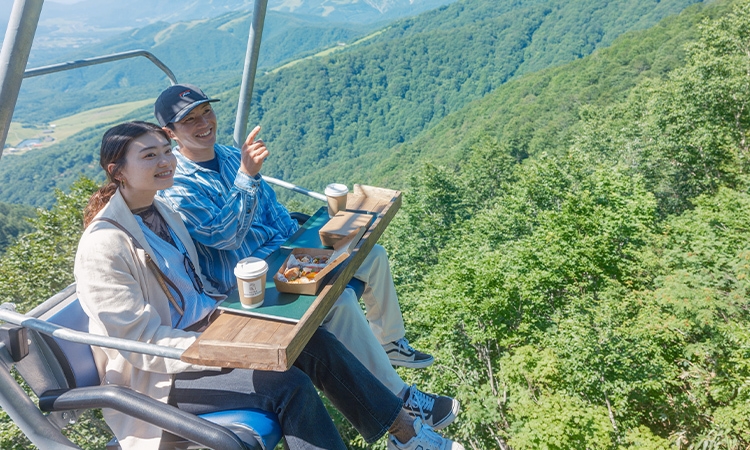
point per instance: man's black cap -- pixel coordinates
(177, 101)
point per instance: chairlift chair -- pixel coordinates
(62, 374)
(60, 371)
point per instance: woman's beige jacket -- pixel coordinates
(123, 298)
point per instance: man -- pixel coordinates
(232, 213)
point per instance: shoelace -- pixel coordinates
(429, 436)
(403, 346)
(419, 400)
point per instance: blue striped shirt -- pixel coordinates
(229, 214)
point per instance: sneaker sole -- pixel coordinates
(412, 364)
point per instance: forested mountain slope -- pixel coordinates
(321, 114)
(201, 51)
(405, 80)
(539, 112)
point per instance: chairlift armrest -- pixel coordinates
(16, 338)
(134, 404)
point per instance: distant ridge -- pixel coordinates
(90, 22)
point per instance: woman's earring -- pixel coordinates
(122, 183)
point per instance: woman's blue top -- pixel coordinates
(174, 261)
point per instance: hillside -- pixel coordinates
(222, 40)
(90, 22)
(538, 112)
(363, 102)
(320, 115)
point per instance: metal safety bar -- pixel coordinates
(8, 314)
(101, 60)
(294, 187)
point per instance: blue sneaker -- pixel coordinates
(425, 439)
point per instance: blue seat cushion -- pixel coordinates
(264, 426)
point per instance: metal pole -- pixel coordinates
(248, 74)
(13, 58)
(8, 315)
(101, 60)
(26, 415)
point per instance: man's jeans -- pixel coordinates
(325, 362)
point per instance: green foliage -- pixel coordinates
(13, 222)
(687, 135)
(40, 263)
(578, 307)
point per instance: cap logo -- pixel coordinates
(185, 93)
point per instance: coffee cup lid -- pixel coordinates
(250, 268)
(336, 189)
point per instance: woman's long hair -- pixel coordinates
(114, 148)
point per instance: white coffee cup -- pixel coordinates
(336, 194)
(251, 281)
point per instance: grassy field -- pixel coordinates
(68, 126)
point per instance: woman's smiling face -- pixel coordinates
(149, 167)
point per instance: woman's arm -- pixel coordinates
(110, 279)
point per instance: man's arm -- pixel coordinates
(212, 220)
(274, 213)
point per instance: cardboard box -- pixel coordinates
(335, 257)
(342, 227)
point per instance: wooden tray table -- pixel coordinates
(241, 341)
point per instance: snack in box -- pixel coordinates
(302, 268)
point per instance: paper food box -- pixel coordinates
(305, 269)
(345, 225)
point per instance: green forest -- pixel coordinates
(221, 41)
(573, 246)
(335, 117)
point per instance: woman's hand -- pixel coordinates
(253, 153)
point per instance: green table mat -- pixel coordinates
(277, 305)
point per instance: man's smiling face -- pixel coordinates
(196, 132)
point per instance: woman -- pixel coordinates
(136, 279)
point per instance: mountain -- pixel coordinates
(335, 117)
(199, 51)
(361, 104)
(62, 27)
(537, 113)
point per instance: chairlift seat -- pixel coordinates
(252, 426)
